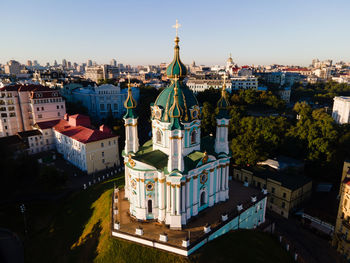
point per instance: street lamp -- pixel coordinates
(23, 209)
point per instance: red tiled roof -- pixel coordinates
(38, 94)
(81, 133)
(24, 87)
(46, 124)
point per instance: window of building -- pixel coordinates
(273, 190)
(5, 127)
(57, 107)
(3, 114)
(102, 145)
(115, 105)
(61, 106)
(102, 107)
(38, 109)
(42, 108)
(109, 107)
(159, 136)
(12, 114)
(282, 213)
(103, 160)
(103, 154)
(58, 114)
(40, 116)
(109, 143)
(284, 195)
(47, 141)
(114, 142)
(193, 137)
(283, 204)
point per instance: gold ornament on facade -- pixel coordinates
(131, 161)
(205, 158)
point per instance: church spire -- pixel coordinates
(223, 102)
(175, 111)
(176, 67)
(130, 103)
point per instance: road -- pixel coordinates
(313, 248)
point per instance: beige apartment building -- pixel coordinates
(286, 192)
(21, 106)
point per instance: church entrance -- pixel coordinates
(203, 198)
(149, 206)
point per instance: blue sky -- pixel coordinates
(140, 32)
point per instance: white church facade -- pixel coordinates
(177, 173)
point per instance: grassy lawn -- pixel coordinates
(77, 229)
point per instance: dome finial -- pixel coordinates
(130, 102)
(223, 102)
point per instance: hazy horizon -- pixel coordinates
(141, 33)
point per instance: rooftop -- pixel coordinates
(81, 133)
(30, 133)
(46, 124)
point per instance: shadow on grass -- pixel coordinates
(54, 243)
(87, 251)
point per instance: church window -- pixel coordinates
(159, 136)
(149, 206)
(149, 186)
(193, 137)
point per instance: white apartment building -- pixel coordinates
(341, 109)
(235, 83)
(21, 106)
(88, 149)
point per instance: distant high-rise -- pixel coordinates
(69, 64)
(89, 63)
(113, 62)
(35, 63)
(47, 64)
(55, 63)
(29, 63)
(64, 63)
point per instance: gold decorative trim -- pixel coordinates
(142, 180)
(212, 170)
(178, 186)
(176, 137)
(195, 176)
(188, 179)
(137, 179)
(173, 186)
(130, 124)
(223, 125)
(168, 183)
(161, 180)
(156, 179)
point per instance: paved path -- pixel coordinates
(313, 248)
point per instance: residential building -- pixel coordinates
(286, 191)
(13, 67)
(341, 109)
(234, 83)
(102, 100)
(96, 73)
(341, 237)
(88, 149)
(21, 106)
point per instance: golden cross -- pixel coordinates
(176, 26)
(176, 78)
(129, 79)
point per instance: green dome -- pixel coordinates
(186, 108)
(176, 67)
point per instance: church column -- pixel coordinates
(211, 189)
(178, 200)
(195, 195)
(142, 199)
(183, 197)
(156, 199)
(227, 179)
(188, 205)
(168, 189)
(161, 200)
(217, 197)
(139, 192)
(223, 181)
(173, 199)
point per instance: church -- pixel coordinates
(176, 174)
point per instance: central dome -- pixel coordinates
(186, 101)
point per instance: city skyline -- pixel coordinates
(141, 33)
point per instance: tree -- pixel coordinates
(257, 138)
(208, 121)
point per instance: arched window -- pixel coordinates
(158, 136)
(193, 137)
(149, 206)
(202, 198)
